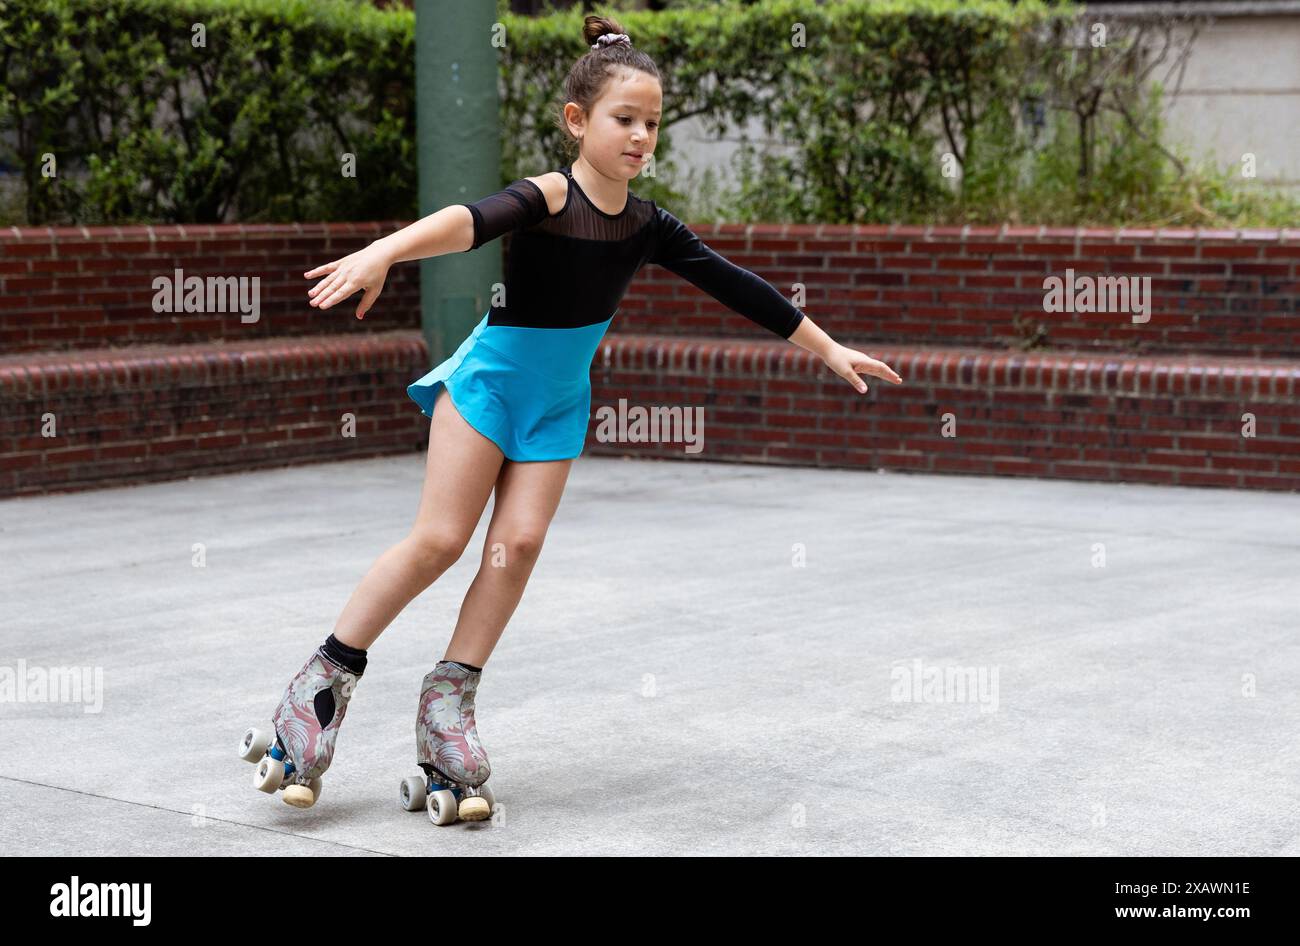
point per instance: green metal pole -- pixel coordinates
(458, 140)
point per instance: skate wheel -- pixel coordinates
(254, 744)
(269, 775)
(300, 796)
(315, 786)
(411, 794)
(474, 808)
(487, 795)
(442, 806)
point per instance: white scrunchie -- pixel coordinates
(609, 39)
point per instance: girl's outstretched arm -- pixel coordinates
(448, 230)
(845, 362)
(454, 228)
(677, 248)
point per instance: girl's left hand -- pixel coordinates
(846, 362)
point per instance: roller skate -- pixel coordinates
(298, 750)
(448, 750)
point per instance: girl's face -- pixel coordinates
(619, 135)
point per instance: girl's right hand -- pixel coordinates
(365, 269)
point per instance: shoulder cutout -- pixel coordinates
(555, 187)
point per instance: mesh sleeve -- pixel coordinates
(521, 204)
(681, 251)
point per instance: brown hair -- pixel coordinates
(587, 78)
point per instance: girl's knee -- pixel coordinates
(516, 546)
(437, 549)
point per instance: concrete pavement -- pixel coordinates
(709, 659)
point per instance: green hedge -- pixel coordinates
(146, 127)
(254, 123)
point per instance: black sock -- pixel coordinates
(349, 658)
(469, 667)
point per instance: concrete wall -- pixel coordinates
(1240, 93)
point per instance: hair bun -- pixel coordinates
(612, 39)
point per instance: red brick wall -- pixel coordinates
(158, 413)
(1113, 418)
(1215, 292)
(139, 395)
(90, 287)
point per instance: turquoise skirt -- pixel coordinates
(528, 390)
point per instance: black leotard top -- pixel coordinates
(572, 268)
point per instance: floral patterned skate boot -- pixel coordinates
(299, 750)
(447, 748)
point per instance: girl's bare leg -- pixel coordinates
(527, 496)
(460, 473)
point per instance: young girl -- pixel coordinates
(510, 411)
